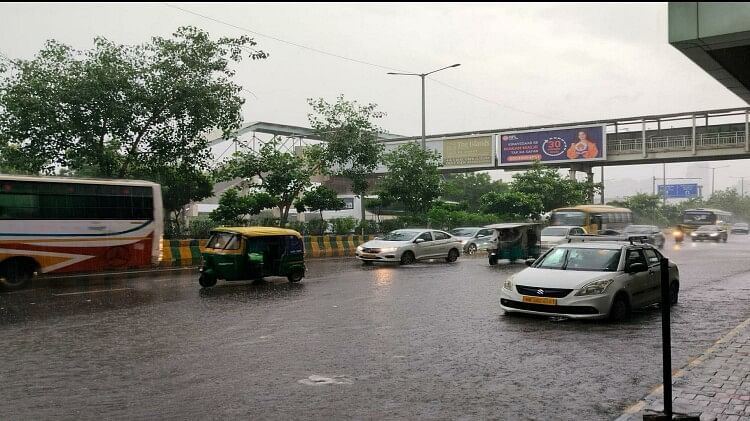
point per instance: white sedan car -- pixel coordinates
(589, 280)
(408, 245)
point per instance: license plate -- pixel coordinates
(540, 300)
(368, 256)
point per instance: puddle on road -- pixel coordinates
(316, 380)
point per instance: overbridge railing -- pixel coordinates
(676, 143)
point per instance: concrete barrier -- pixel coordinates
(177, 253)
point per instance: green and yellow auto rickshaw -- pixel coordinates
(514, 241)
(250, 253)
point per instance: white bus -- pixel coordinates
(69, 225)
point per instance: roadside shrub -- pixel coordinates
(201, 227)
(371, 227)
(317, 227)
(344, 225)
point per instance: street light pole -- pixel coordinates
(423, 76)
(713, 176)
(742, 185)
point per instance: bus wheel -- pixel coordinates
(16, 273)
(207, 281)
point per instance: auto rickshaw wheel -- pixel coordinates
(295, 276)
(207, 281)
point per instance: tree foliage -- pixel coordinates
(512, 205)
(235, 207)
(282, 175)
(114, 110)
(469, 188)
(319, 199)
(413, 178)
(351, 148)
(180, 185)
(553, 190)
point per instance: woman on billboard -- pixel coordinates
(584, 148)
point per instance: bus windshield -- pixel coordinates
(574, 218)
(699, 218)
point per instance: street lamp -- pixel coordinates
(422, 76)
(713, 175)
(742, 181)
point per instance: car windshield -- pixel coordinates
(597, 260)
(639, 229)
(555, 232)
(708, 228)
(464, 232)
(698, 218)
(400, 235)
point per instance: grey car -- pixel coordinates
(589, 280)
(405, 246)
(473, 239)
(652, 234)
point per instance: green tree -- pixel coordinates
(647, 209)
(351, 147)
(113, 110)
(469, 188)
(412, 179)
(235, 207)
(512, 205)
(181, 185)
(284, 176)
(551, 188)
(319, 199)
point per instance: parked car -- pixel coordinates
(558, 234)
(740, 227)
(652, 233)
(473, 239)
(593, 279)
(710, 233)
(405, 246)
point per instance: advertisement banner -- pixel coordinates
(468, 152)
(679, 191)
(566, 144)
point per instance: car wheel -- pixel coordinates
(472, 249)
(452, 256)
(296, 275)
(207, 281)
(620, 309)
(407, 258)
(674, 292)
(493, 260)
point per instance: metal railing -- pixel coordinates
(677, 143)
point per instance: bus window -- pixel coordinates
(574, 218)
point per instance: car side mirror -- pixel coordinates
(530, 262)
(419, 240)
(637, 267)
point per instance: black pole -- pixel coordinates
(666, 339)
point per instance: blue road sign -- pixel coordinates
(680, 191)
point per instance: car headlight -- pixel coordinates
(359, 249)
(677, 233)
(692, 234)
(715, 234)
(464, 241)
(508, 284)
(595, 287)
(388, 250)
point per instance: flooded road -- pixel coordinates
(426, 341)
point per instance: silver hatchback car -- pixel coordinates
(408, 245)
(588, 280)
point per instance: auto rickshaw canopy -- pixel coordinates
(259, 231)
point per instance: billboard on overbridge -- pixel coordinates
(563, 144)
(456, 152)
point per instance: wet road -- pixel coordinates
(426, 341)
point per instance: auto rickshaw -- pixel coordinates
(245, 253)
(514, 241)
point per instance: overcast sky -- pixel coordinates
(530, 63)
